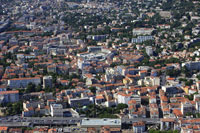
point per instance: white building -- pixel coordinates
(149, 81)
(165, 14)
(153, 81)
(56, 110)
(137, 98)
(123, 98)
(23, 82)
(142, 31)
(149, 50)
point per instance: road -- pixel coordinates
(17, 121)
(40, 120)
(147, 120)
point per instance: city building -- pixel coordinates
(56, 110)
(142, 31)
(47, 81)
(139, 127)
(141, 39)
(149, 50)
(123, 98)
(77, 102)
(9, 96)
(23, 82)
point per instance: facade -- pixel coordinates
(123, 98)
(167, 124)
(47, 81)
(29, 104)
(150, 81)
(9, 96)
(3, 129)
(165, 14)
(76, 102)
(187, 107)
(23, 82)
(28, 113)
(192, 65)
(139, 127)
(94, 49)
(154, 112)
(136, 98)
(98, 37)
(143, 31)
(56, 110)
(149, 50)
(141, 39)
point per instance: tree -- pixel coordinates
(198, 76)
(92, 43)
(175, 24)
(92, 89)
(114, 64)
(14, 108)
(189, 82)
(158, 131)
(185, 71)
(30, 88)
(109, 44)
(38, 88)
(122, 106)
(190, 97)
(145, 102)
(173, 72)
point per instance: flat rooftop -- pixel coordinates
(100, 122)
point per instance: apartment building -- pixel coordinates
(142, 31)
(123, 98)
(23, 82)
(9, 96)
(56, 110)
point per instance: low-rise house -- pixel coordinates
(3, 129)
(152, 99)
(166, 112)
(99, 99)
(154, 113)
(177, 113)
(167, 124)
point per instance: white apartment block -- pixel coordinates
(23, 82)
(123, 98)
(142, 31)
(56, 110)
